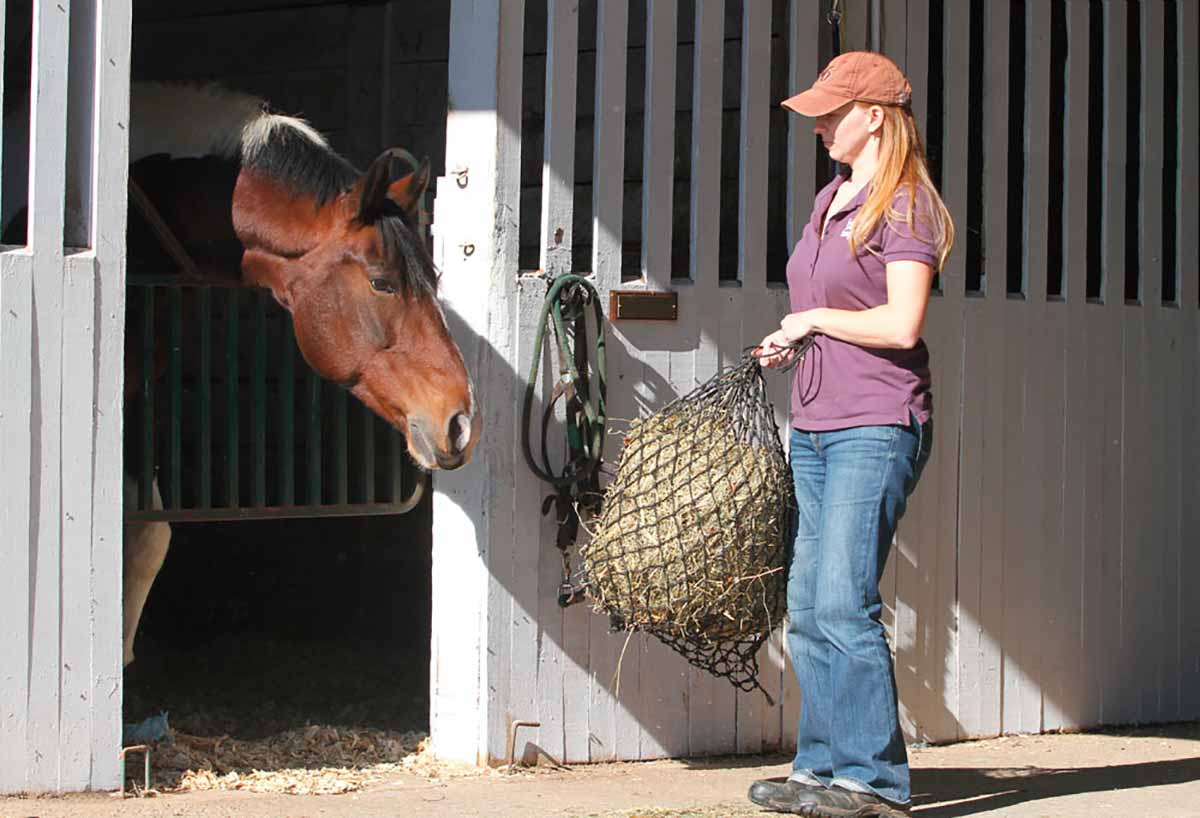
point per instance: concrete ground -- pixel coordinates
(1146, 773)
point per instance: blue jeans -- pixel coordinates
(852, 486)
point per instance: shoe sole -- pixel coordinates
(872, 811)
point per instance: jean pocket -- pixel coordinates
(924, 434)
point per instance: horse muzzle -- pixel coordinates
(450, 448)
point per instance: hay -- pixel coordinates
(691, 544)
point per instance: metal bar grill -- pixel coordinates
(347, 466)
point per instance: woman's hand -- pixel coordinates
(775, 351)
(796, 325)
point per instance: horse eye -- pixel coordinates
(383, 285)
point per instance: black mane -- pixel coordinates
(291, 156)
(314, 169)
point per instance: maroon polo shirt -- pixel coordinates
(839, 384)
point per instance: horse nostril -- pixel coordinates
(459, 432)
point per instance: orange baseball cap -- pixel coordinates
(861, 76)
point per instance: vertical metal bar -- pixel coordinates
(367, 419)
(314, 438)
(260, 398)
(147, 470)
(340, 471)
(232, 495)
(287, 416)
(398, 457)
(175, 500)
(204, 469)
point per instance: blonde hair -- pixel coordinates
(902, 166)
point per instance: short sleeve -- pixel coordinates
(899, 242)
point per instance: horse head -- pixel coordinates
(362, 290)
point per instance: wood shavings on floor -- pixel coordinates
(313, 760)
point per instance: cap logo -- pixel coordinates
(825, 75)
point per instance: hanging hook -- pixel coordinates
(835, 12)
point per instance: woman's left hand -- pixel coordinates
(796, 325)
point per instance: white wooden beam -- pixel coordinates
(475, 219)
(48, 125)
(558, 163)
(608, 164)
(109, 203)
(658, 153)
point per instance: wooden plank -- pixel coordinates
(664, 673)
(608, 183)
(111, 165)
(475, 540)
(658, 152)
(893, 30)
(708, 722)
(621, 674)
(558, 164)
(562, 680)
(78, 374)
(804, 26)
(47, 184)
(776, 672)
(696, 685)
(577, 682)
(755, 133)
(857, 25)
(940, 663)
(16, 510)
(1155, 368)
(1188, 263)
(1065, 690)
(1042, 384)
(608, 173)
(1115, 691)
(903, 588)
(951, 420)
(941, 660)
(986, 354)
(916, 60)
(706, 143)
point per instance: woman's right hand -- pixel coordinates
(776, 350)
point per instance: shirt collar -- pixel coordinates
(825, 198)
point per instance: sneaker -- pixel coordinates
(836, 802)
(781, 794)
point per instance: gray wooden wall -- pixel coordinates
(61, 366)
(1039, 579)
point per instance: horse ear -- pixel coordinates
(373, 188)
(384, 187)
(407, 191)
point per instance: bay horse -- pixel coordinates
(260, 196)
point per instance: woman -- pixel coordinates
(859, 281)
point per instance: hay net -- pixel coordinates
(693, 541)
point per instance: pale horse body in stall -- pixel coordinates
(262, 197)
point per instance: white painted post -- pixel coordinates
(558, 164)
(47, 182)
(476, 228)
(658, 154)
(108, 199)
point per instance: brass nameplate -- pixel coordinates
(638, 305)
